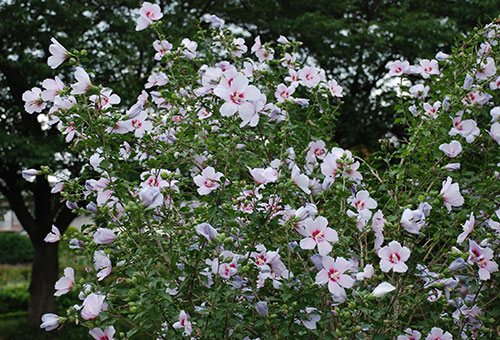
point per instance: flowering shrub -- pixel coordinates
(224, 210)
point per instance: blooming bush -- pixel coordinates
(223, 208)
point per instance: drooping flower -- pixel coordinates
(468, 227)
(318, 234)
(312, 316)
(92, 306)
(83, 81)
(394, 256)
(333, 274)
(301, 180)
(102, 263)
(30, 174)
(52, 88)
(106, 334)
(383, 289)
(264, 176)
(53, 236)
(261, 308)
(58, 54)
(450, 194)
(104, 236)
(50, 321)
(207, 231)
(65, 283)
(208, 181)
(495, 132)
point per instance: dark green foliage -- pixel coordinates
(15, 248)
(14, 299)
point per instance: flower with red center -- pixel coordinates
(208, 181)
(393, 256)
(318, 234)
(148, 13)
(106, 334)
(333, 274)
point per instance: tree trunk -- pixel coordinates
(44, 274)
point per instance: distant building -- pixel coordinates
(9, 222)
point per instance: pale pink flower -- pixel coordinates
(156, 79)
(383, 289)
(226, 270)
(189, 48)
(151, 197)
(465, 128)
(261, 52)
(468, 228)
(495, 84)
(428, 67)
(452, 149)
(430, 111)
(333, 274)
(104, 236)
(283, 92)
(486, 70)
(99, 334)
(239, 47)
(105, 99)
(33, 100)
(317, 150)
(412, 220)
(362, 201)
(65, 283)
(264, 176)
(318, 234)
(309, 76)
(184, 322)
(162, 47)
(148, 13)
(139, 124)
(394, 256)
(83, 81)
(207, 231)
(495, 114)
(53, 236)
(237, 96)
(30, 174)
(50, 321)
(419, 91)
(335, 89)
(208, 181)
(301, 180)
(215, 22)
(58, 54)
(450, 194)
(438, 334)
(52, 88)
(312, 317)
(367, 273)
(483, 258)
(495, 132)
(102, 263)
(410, 335)
(92, 306)
(397, 68)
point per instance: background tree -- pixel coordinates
(354, 39)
